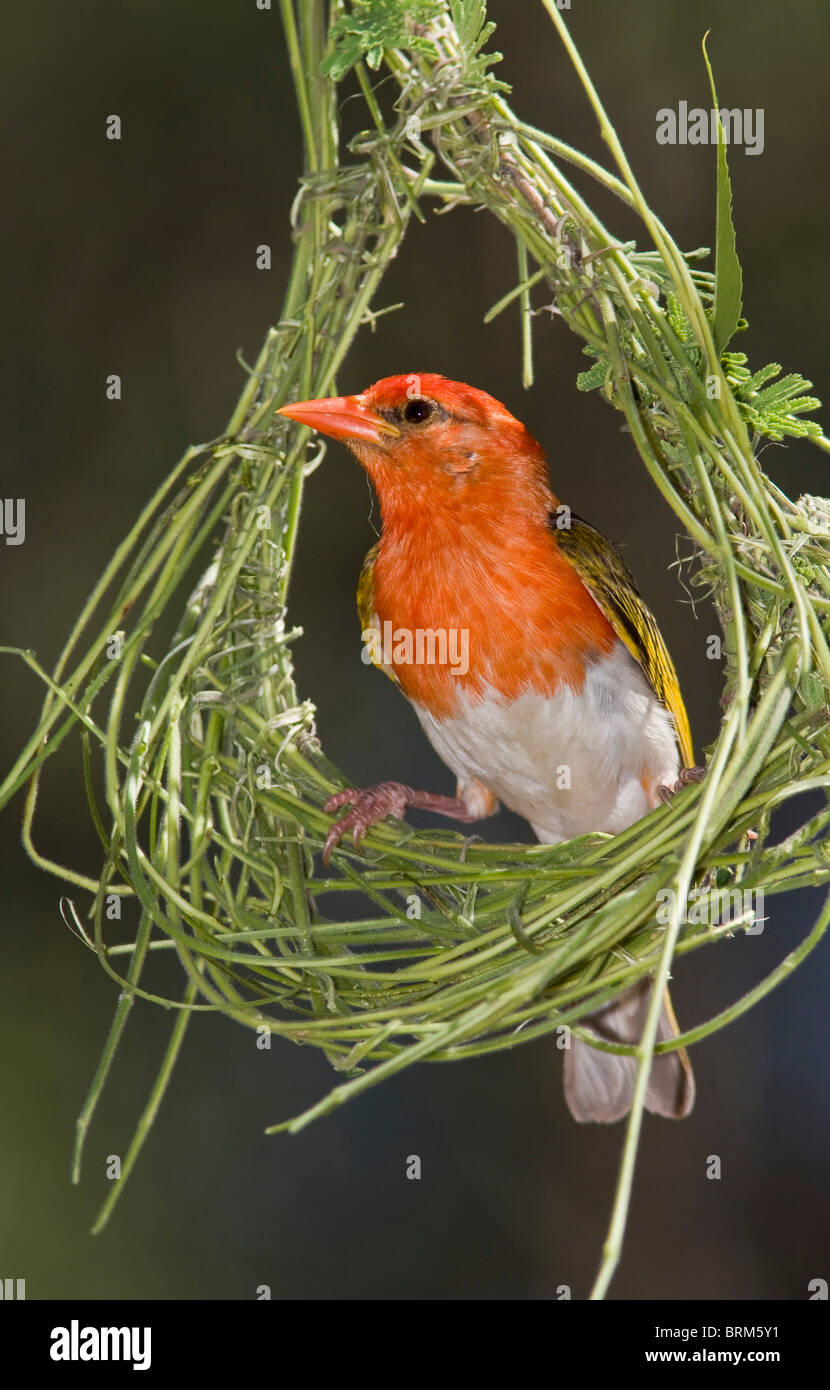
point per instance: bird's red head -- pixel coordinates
(426, 441)
(466, 542)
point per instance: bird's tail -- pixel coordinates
(599, 1086)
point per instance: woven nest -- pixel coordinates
(455, 947)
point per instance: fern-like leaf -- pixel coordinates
(772, 410)
(370, 26)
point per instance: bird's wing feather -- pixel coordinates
(611, 585)
(366, 606)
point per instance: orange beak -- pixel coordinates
(341, 417)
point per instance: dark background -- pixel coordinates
(138, 257)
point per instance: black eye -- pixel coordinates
(416, 411)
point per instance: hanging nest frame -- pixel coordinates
(209, 803)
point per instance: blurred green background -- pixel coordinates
(138, 258)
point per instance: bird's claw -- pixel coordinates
(687, 775)
(369, 806)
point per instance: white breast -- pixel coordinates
(569, 763)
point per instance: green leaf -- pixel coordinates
(811, 689)
(474, 29)
(594, 376)
(469, 17)
(370, 26)
(726, 310)
(772, 410)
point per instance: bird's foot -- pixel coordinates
(687, 775)
(374, 804)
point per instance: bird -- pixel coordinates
(562, 702)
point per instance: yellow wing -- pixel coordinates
(366, 608)
(611, 585)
